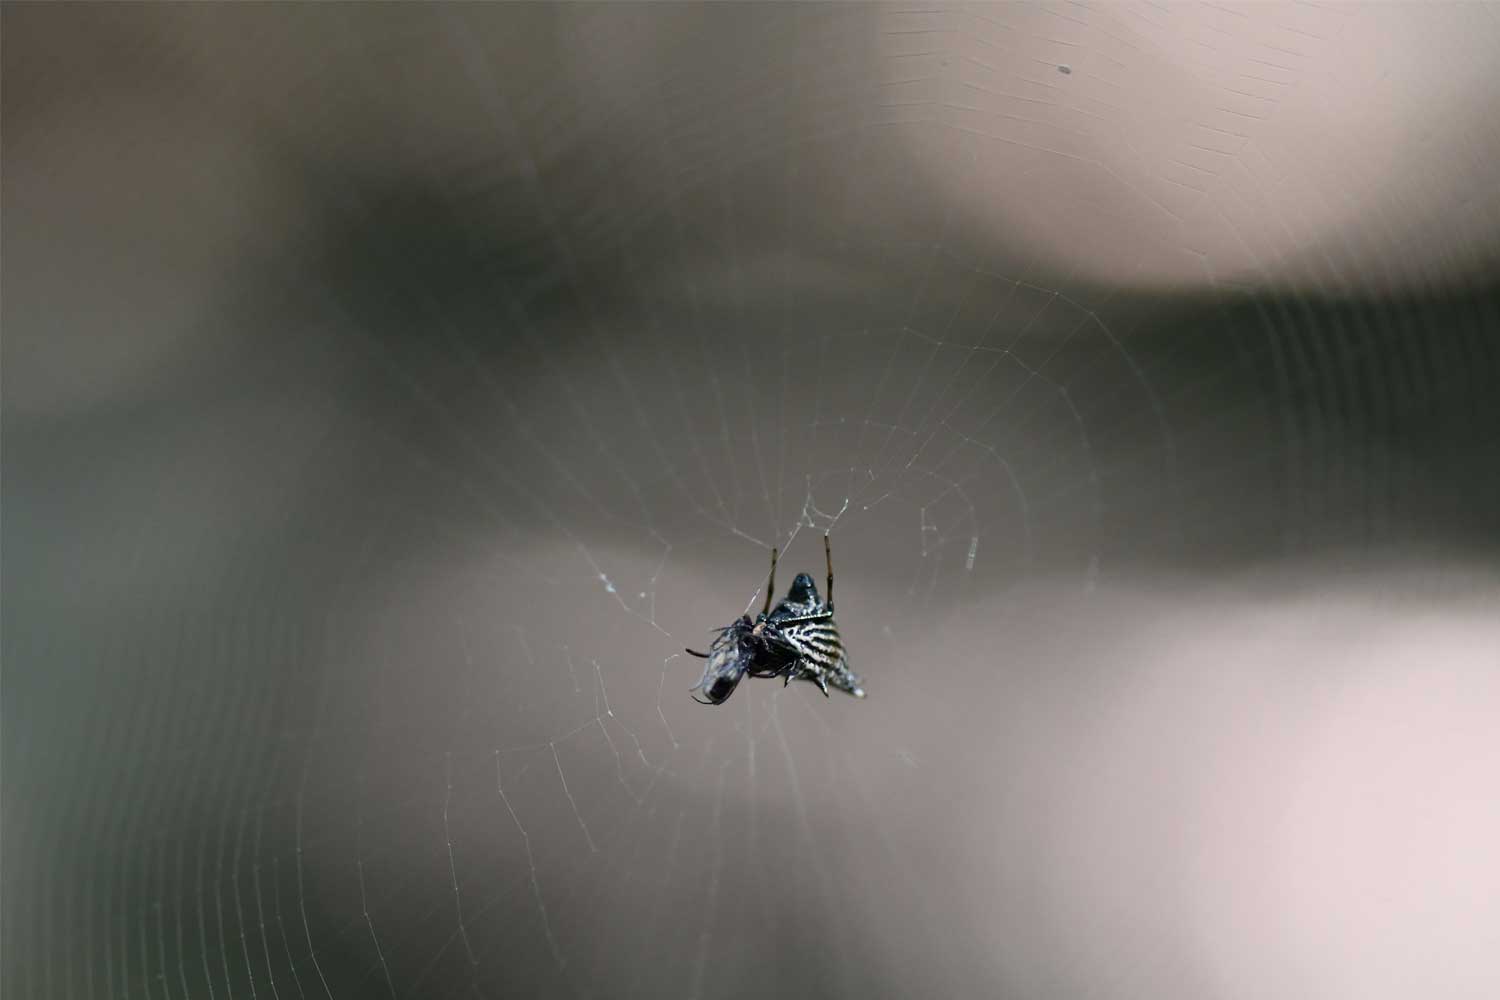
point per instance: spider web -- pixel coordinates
(429, 734)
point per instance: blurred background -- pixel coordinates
(392, 392)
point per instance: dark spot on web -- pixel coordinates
(1065, 69)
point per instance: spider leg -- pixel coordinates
(694, 652)
(770, 586)
(828, 555)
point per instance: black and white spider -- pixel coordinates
(797, 640)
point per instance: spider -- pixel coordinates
(798, 640)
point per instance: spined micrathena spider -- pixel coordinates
(796, 640)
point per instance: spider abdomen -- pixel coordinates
(818, 644)
(820, 655)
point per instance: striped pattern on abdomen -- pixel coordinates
(818, 645)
